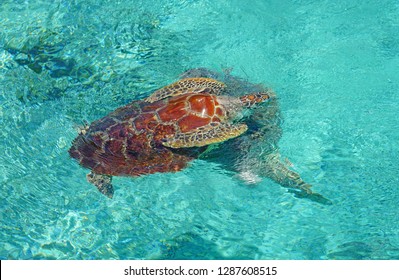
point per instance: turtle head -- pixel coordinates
(250, 100)
(239, 107)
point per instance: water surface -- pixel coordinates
(333, 65)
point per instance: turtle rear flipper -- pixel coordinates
(102, 183)
(188, 85)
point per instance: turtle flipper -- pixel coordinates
(102, 183)
(188, 85)
(205, 135)
(281, 174)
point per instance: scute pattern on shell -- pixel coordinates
(132, 140)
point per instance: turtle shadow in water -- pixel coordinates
(255, 154)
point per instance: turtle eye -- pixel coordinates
(263, 96)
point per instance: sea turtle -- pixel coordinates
(155, 134)
(179, 122)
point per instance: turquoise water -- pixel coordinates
(333, 64)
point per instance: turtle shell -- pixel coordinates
(129, 141)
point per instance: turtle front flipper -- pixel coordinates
(205, 135)
(188, 85)
(281, 174)
(102, 183)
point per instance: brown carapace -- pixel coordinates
(159, 134)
